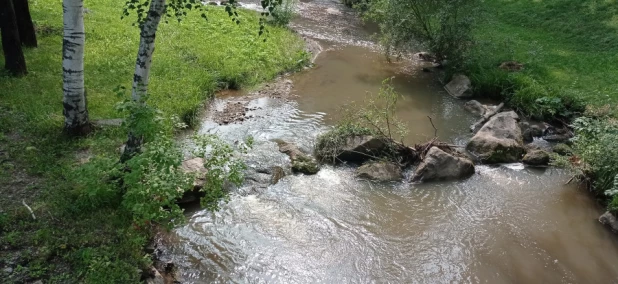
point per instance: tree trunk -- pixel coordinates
(74, 99)
(14, 60)
(24, 23)
(148, 32)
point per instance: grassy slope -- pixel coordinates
(191, 61)
(569, 48)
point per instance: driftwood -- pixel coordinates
(477, 126)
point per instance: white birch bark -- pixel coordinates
(141, 75)
(146, 49)
(74, 93)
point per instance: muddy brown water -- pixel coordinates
(505, 224)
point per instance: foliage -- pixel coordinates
(442, 26)
(282, 14)
(224, 168)
(376, 118)
(596, 147)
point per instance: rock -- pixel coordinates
(475, 107)
(212, 3)
(196, 166)
(305, 165)
(536, 158)
(359, 149)
(277, 174)
(380, 171)
(333, 11)
(531, 132)
(156, 277)
(499, 140)
(425, 56)
(108, 122)
(558, 137)
(608, 219)
(7, 270)
(511, 66)
(562, 149)
(301, 162)
(440, 165)
(459, 86)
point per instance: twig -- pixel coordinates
(29, 209)
(570, 180)
(435, 130)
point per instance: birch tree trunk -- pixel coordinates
(142, 68)
(27, 33)
(14, 60)
(74, 99)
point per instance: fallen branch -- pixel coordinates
(570, 180)
(477, 126)
(435, 130)
(29, 209)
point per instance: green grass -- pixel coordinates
(569, 48)
(71, 242)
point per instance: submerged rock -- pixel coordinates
(531, 132)
(277, 173)
(440, 165)
(608, 219)
(380, 171)
(499, 140)
(475, 107)
(459, 86)
(536, 158)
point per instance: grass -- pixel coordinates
(69, 241)
(569, 48)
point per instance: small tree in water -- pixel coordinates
(441, 26)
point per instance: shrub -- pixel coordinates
(596, 147)
(283, 13)
(443, 26)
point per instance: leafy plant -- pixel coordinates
(376, 118)
(442, 26)
(282, 14)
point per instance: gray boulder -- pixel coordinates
(562, 149)
(475, 107)
(301, 162)
(195, 166)
(380, 171)
(536, 158)
(531, 132)
(499, 140)
(608, 219)
(359, 149)
(459, 87)
(440, 165)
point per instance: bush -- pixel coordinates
(283, 13)
(377, 118)
(596, 147)
(443, 27)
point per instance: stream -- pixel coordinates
(505, 224)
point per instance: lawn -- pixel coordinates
(569, 49)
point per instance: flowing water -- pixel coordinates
(505, 224)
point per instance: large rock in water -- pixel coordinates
(608, 219)
(536, 158)
(499, 140)
(459, 87)
(380, 171)
(359, 149)
(440, 165)
(301, 162)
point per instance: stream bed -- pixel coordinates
(505, 224)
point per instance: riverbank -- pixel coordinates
(71, 240)
(570, 70)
